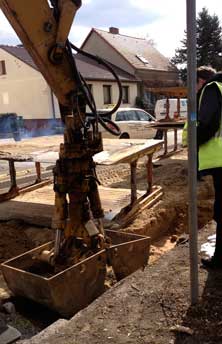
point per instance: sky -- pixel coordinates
(162, 21)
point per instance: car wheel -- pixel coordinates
(125, 136)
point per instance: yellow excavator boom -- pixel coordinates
(36, 25)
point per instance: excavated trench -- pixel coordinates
(165, 223)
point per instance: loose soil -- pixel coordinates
(150, 307)
(165, 223)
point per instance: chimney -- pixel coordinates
(114, 30)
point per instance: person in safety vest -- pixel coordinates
(209, 144)
(185, 135)
(204, 74)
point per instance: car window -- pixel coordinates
(121, 116)
(131, 115)
(127, 115)
(143, 116)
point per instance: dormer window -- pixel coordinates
(2, 68)
(142, 59)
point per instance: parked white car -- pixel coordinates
(134, 123)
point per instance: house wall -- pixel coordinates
(97, 89)
(24, 91)
(97, 46)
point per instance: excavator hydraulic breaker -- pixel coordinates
(70, 272)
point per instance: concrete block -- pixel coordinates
(9, 335)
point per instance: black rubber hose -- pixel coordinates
(104, 120)
(81, 82)
(108, 66)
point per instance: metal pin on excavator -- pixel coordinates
(81, 244)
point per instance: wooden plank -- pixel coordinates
(115, 151)
(126, 152)
(173, 92)
(16, 157)
(36, 207)
(167, 125)
(126, 215)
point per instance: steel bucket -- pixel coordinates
(75, 287)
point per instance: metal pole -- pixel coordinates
(192, 146)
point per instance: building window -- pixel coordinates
(90, 87)
(2, 68)
(142, 59)
(107, 94)
(125, 98)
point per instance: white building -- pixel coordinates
(24, 91)
(139, 66)
(137, 56)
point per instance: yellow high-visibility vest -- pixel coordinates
(210, 153)
(185, 134)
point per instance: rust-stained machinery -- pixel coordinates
(81, 248)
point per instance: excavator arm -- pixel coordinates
(44, 30)
(81, 251)
(43, 27)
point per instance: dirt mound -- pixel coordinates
(164, 223)
(13, 240)
(16, 237)
(169, 216)
(151, 306)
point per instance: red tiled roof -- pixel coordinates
(21, 53)
(131, 47)
(92, 70)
